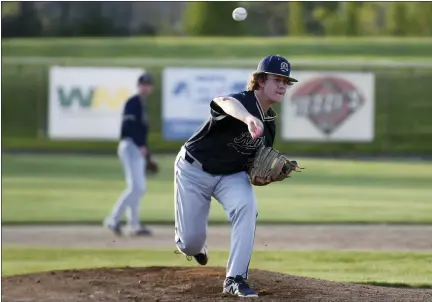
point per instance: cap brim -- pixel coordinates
(278, 74)
(146, 82)
(292, 79)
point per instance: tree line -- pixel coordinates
(213, 18)
(312, 19)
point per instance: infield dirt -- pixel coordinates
(186, 284)
(205, 283)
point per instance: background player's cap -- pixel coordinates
(145, 79)
(276, 65)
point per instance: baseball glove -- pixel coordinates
(152, 167)
(269, 166)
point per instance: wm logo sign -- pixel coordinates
(93, 97)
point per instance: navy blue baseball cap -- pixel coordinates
(276, 65)
(145, 79)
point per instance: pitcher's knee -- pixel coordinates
(244, 208)
(138, 189)
(192, 244)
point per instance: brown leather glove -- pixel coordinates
(152, 167)
(269, 166)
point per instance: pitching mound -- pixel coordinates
(186, 284)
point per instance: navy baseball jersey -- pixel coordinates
(223, 144)
(134, 123)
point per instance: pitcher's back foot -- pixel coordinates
(238, 287)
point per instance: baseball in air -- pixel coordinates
(239, 14)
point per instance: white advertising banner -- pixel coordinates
(87, 102)
(187, 93)
(329, 106)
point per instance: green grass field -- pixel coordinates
(49, 188)
(184, 47)
(38, 188)
(413, 269)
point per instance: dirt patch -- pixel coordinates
(186, 284)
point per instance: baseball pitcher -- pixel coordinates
(228, 154)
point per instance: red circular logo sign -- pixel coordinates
(327, 101)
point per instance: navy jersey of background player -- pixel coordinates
(223, 144)
(135, 125)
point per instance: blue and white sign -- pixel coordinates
(187, 93)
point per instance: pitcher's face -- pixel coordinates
(275, 87)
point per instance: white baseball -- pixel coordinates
(239, 14)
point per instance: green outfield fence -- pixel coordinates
(403, 111)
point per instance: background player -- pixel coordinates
(213, 163)
(134, 154)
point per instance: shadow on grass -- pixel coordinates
(397, 285)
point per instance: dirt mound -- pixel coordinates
(186, 284)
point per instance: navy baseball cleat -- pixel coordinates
(201, 257)
(238, 287)
(140, 231)
(114, 227)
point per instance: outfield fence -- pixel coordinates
(402, 101)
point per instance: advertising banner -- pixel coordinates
(87, 102)
(187, 93)
(329, 106)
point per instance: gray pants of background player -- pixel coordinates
(134, 169)
(193, 190)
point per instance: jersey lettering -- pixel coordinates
(245, 144)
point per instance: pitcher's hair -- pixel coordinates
(254, 80)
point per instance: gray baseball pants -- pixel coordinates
(133, 163)
(193, 190)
